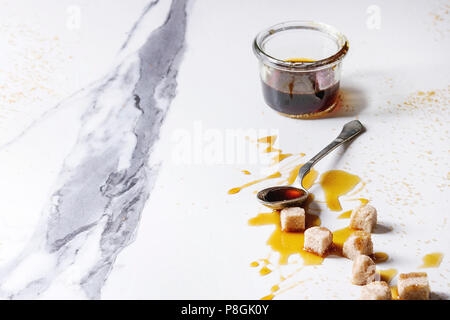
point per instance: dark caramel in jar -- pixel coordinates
(303, 94)
(300, 103)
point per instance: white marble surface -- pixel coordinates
(96, 201)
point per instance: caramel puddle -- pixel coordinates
(432, 260)
(379, 257)
(387, 275)
(263, 219)
(336, 183)
(287, 243)
(345, 215)
(339, 236)
(236, 190)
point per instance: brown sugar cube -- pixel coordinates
(363, 271)
(318, 240)
(364, 218)
(292, 219)
(377, 290)
(413, 286)
(358, 243)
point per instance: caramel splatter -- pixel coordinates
(432, 260)
(236, 190)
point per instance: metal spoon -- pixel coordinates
(270, 197)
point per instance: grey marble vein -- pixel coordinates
(147, 8)
(105, 181)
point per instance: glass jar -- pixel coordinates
(300, 67)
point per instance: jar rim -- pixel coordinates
(261, 37)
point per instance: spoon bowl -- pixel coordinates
(282, 197)
(290, 196)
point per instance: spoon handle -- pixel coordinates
(349, 131)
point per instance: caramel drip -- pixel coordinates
(270, 140)
(264, 271)
(308, 180)
(236, 190)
